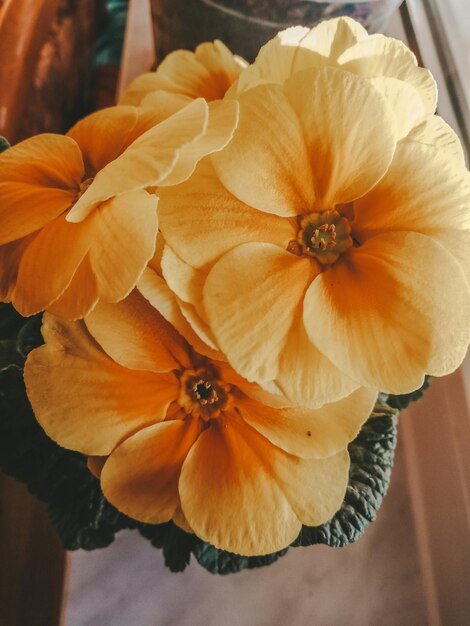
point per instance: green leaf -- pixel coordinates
(402, 401)
(222, 562)
(9, 355)
(4, 144)
(10, 321)
(177, 544)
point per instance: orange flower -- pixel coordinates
(184, 437)
(325, 245)
(96, 176)
(182, 76)
(343, 43)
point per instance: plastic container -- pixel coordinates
(245, 25)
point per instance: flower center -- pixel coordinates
(202, 394)
(84, 186)
(323, 236)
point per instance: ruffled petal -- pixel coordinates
(379, 55)
(155, 289)
(135, 335)
(122, 241)
(229, 494)
(84, 400)
(39, 180)
(251, 297)
(433, 131)
(380, 315)
(311, 433)
(147, 161)
(404, 100)
(140, 478)
(273, 173)
(349, 131)
(227, 221)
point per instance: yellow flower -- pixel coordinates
(329, 256)
(185, 437)
(183, 76)
(343, 43)
(76, 224)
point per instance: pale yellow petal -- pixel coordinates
(83, 399)
(271, 173)
(140, 478)
(227, 221)
(349, 132)
(251, 297)
(402, 327)
(404, 100)
(433, 131)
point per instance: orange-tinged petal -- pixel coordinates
(251, 297)
(306, 376)
(123, 236)
(49, 263)
(84, 400)
(230, 496)
(147, 161)
(227, 221)
(135, 335)
(402, 325)
(104, 135)
(39, 179)
(166, 103)
(181, 521)
(10, 257)
(186, 282)
(403, 201)
(95, 465)
(155, 289)
(273, 172)
(348, 129)
(311, 433)
(379, 55)
(80, 296)
(141, 476)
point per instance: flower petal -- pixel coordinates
(147, 161)
(251, 297)
(49, 263)
(124, 231)
(405, 201)
(141, 476)
(230, 497)
(155, 289)
(379, 55)
(433, 131)
(166, 103)
(135, 335)
(349, 132)
(380, 315)
(227, 221)
(80, 296)
(84, 400)
(10, 258)
(311, 433)
(273, 173)
(404, 100)
(39, 179)
(305, 376)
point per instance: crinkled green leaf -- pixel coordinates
(4, 143)
(223, 562)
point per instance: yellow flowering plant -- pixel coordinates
(234, 279)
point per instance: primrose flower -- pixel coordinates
(76, 222)
(183, 76)
(330, 255)
(184, 437)
(343, 43)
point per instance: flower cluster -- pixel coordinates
(234, 261)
